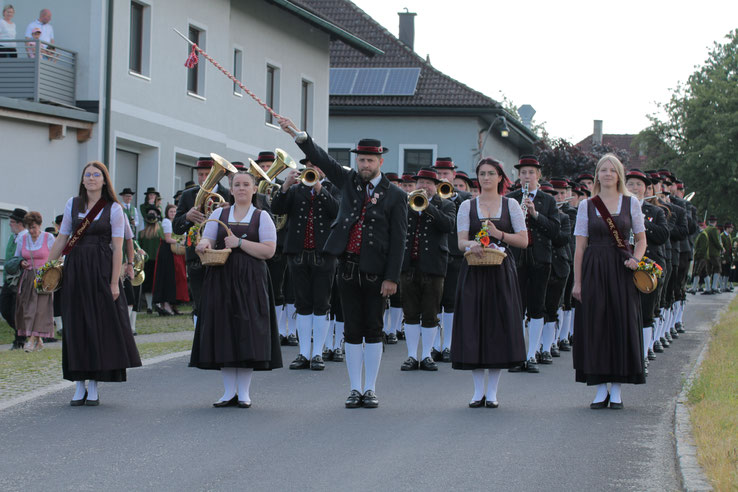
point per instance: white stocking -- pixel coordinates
(647, 340)
(428, 337)
(229, 383)
(535, 328)
(320, 331)
(437, 340)
(338, 336)
(494, 380)
(194, 320)
(354, 363)
(565, 318)
(478, 378)
(79, 393)
(304, 324)
(601, 393)
(132, 317)
(243, 378)
(547, 338)
(448, 329)
(395, 316)
(412, 337)
(615, 395)
(372, 359)
(282, 320)
(92, 390)
(58, 323)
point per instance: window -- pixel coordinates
(341, 155)
(237, 64)
(272, 92)
(306, 108)
(182, 174)
(415, 159)
(139, 41)
(196, 74)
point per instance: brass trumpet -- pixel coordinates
(309, 177)
(418, 200)
(207, 201)
(445, 189)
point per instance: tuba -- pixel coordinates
(445, 190)
(417, 200)
(207, 201)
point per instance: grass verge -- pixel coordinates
(713, 400)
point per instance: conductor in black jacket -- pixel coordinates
(423, 270)
(534, 262)
(311, 210)
(187, 216)
(368, 236)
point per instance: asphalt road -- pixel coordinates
(159, 431)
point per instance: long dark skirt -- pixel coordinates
(165, 284)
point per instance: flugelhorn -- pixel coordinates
(445, 189)
(418, 200)
(206, 201)
(309, 177)
(282, 162)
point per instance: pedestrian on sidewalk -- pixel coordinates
(10, 282)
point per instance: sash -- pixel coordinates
(614, 232)
(82, 227)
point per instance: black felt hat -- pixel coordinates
(204, 163)
(370, 146)
(444, 163)
(638, 174)
(266, 155)
(465, 177)
(127, 191)
(18, 214)
(527, 160)
(427, 173)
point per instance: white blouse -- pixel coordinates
(267, 230)
(636, 216)
(32, 245)
(7, 31)
(516, 215)
(166, 226)
(117, 219)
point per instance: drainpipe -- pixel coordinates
(108, 83)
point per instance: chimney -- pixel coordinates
(526, 113)
(597, 133)
(407, 28)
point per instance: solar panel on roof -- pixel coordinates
(373, 81)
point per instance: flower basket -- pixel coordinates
(178, 248)
(213, 257)
(490, 257)
(49, 277)
(646, 276)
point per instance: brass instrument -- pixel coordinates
(258, 172)
(309, 177)
(206, 201)
(139, 260)
(418, 200)
(445, 190)
(689, 196)
(282, 162)
(526, 195)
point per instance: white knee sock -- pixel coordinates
(680, 312)
(372, 359)
(304, 323)
(320, 331)
(448, 327)
(243, 383)
(437, 339)
(281, 320)
(395, 317)
(647, 340)
(338, 335)
(291, 318)
(494, 380)
(615, 395)
(194, 320)
(229, 383)
(132, 317)
(79, 392)
(386, 322)
(58, 323)
(549, 333)
(149, 296)
(478, 378)
(715, 281)
(708, 282)
(535, 328)
(412, 337)
(601, 393)
(564, 332)
(428, 336)
(695, 282)
(92, 390)
(354, 363)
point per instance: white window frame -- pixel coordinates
(277, 89)
(403, 147)
(201, 72)
(237, 69)
(146, 48)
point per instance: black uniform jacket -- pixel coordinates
(453, 239)
(385, 222)
(436, 224)
(561, 256)
(180, 224)
(543, 229)
(571, 212)
(679, 231)
(685, 246)
(296, 203)
(657, 232)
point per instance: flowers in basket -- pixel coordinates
(649, 266)
(38, 279)
(483, 237)
(192, 234)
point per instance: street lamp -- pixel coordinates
(504, 130)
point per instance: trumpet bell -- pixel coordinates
(257, 171)
(445, 190)
(418, 201)
(206, 200)
(309, 177)
(224, 163)
(138, 279)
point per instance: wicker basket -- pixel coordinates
(491, 257)
(178, 248)
(213, 257)
(51, 280)
(644, 281)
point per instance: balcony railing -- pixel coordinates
(40, 72)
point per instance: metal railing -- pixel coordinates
(38, 71)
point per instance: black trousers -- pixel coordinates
(567, 301)
(362, 302)
(649, 304)
(311, 279)
(533, 279)
(277, 266)
(664, 285)
(195, 277)
(448, 299)
(336, 307)
(554, 295)
(395, 300)
(671, 284)
(7, 304)
(680, 286)
(421, 297)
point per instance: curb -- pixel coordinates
(691, 473)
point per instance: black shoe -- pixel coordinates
(564, 346)
(428, 364)
(244, 404)
(616, 405)
(354, 399)
(492, 404)
(316, 363)
(79, 403)
(436, 355)
(92, 403)
(657, 347)
(680, 328)
(327, 354)
(651, 354)
(667, 335)
(692, 291)
(600, 404)
(446, 355)
(390, 339)
(161, 311)
(282, 340)
(716, 291)
(300, 362)
(401, 335)
(292, 340)
(16, 346)
(518, 368)
(370, 400)
(410, 364)
(49, 340)
(546, 358)
(707, 293)
(555, 350)
(664, 343)
(228, 403)
(532, 366)
(477, 403)
(674, 333)
(338, 355)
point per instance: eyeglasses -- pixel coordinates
(93, 175)
(37, 32)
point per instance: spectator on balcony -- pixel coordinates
(7, 31)
(43, 23)
(31, 45)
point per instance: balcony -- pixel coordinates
(42, 72)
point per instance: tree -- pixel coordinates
(562, 159)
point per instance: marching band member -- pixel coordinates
(686, 254)
(534, 262)
(486, 334)
(568, 202)
(462, 182)
(98, 345)
(423, 269)
(369, 235)
(586, 180)
(608, 332)
(727, 257)
(408, 183)
(312, 209)
(132, 294)
(236, 330)
(714, 251)
(393, 314)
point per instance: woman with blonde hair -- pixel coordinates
(608, 336)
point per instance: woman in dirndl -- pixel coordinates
(607, 334)
(165, 283)
(486, 334)
(236, 330)
(97, 342)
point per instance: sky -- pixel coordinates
(573, 61)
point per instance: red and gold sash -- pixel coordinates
(82, 226)
(619, 242)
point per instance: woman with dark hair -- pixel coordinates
(607, 325)
(236, 330)
(165, 286)
(98, 343)
(486, 333)
(33, 311)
